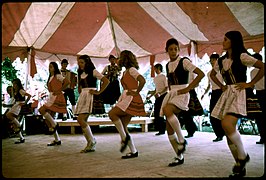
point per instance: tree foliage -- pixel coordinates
(8, 70)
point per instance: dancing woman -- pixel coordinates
(87, 77)
(232, 104)
(178, 98)
(56, 101)
(130, 102)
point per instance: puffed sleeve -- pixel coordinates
(97, 74)
(188, 65)
(60, 77)
(247, 60)
(134, 72)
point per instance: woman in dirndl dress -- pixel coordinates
(178, 97)
(56, 101)
(232, 104)
(129, 103)
(87, 77)
(19, 95)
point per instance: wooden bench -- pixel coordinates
(95, 121)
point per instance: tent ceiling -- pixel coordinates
(100, 28)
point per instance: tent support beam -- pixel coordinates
(109, 16)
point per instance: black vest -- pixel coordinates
(179, 76)
(88, 82)
(235, 74)
(19, 97)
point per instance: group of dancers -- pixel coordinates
(229, 108)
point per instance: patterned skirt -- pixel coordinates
(231, 101)
(132, 105)
(179, 100)
(15, 109)
(85, 102)
(56, 103)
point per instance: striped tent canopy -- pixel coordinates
(56, 30)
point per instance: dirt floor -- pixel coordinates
(203, 158)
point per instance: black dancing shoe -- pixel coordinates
(130, 155)
(124, 143)
(243, 162)
(240, 166)
(20, 141)
(217, 139)
(237, 175)
(54, 143)
(260, 142)
(176, 162)
(180, 151)
(159, 133)
(189, 135)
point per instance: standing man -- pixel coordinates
(161, 89)
(69, 91)
(260, 93)
(215, 95)
(111, 72)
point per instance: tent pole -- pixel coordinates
(28, 67)
(109, 16)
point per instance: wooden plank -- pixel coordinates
(143, 121)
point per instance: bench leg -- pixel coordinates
(72, 129)
(144, 127)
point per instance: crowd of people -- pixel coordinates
(227, 81)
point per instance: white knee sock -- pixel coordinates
(56, 136)
(88, 134)
(233, 150)
(120, 129)
(49, 118)
(173, 140)
(173, 121)
(131, 145)
(20, 135)
(236, 140)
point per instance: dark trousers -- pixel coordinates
(185, 118)
(260, 118)
(159, 122)
(68, 94)
(216, 123)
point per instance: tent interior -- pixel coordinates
(43, 32)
